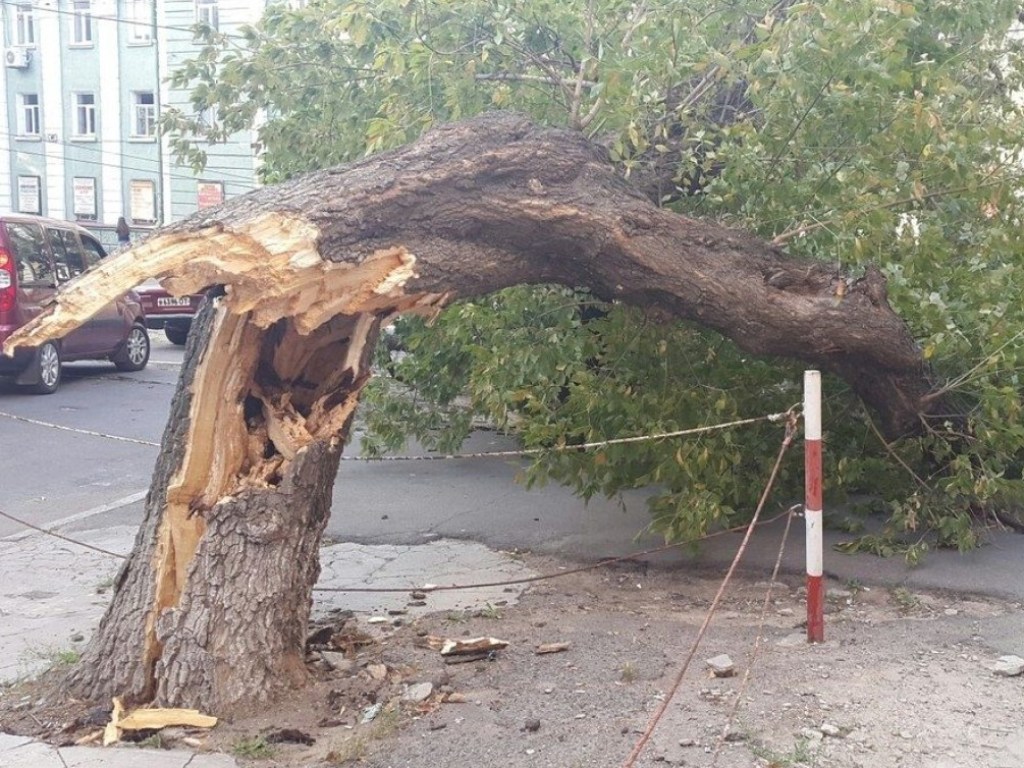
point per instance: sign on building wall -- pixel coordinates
(143, 201)
(209, 194)
(29, 198)
(84, 191)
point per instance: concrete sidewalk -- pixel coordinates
(55, 592)
(18, 752)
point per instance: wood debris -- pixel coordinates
(150, 719)
(551, 648)
(473, 646)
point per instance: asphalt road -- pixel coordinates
(50, 475)
(54, 477)
(81, 481)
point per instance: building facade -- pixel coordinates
(83, 83)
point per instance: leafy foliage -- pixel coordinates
(852, 131)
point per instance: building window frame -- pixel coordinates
(84, 118)
(29, 124)
(208, 13)
(143, 115)
(81, 24)
(140, 22)
(24, 32)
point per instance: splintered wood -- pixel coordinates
(148, 719)
(271, 268)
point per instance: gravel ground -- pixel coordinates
(904, 679)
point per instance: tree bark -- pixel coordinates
(210, 610)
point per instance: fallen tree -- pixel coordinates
(210, 609)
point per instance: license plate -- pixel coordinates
(171, 301)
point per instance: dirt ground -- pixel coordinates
(903, 680)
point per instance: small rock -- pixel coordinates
(1008, 666)
(530, 751)
(828, 729)
(377, 671)
(811, 734)
(418, 692)
(377, 620)
(793, 640)
(905, 735)
(437, 726)
(687, 743)
(532, 725)
(370, 712)
(838, 594)
(77, 637)
(417, 595)
(785, 611)
(338, 661)
(951, 612)
(722, 666)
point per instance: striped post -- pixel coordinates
(813, 507)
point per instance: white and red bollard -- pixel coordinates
(813, 507)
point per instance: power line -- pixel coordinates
(119, 21)
(223, 171)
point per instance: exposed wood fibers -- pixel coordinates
(287, 318)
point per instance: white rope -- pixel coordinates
(773, 417)
(76, 430)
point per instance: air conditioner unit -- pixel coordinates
(18, 58)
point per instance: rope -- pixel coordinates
(51, 532)
(645, 737)
(77, 430)
(448, 587)
(772, 417)
(757, 639)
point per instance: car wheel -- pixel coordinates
(134, 353)
(176, 334)
(48, 369)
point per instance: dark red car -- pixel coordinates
(37, 256)
(172, 313)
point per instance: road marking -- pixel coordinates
(124, 501)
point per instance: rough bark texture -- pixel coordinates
(496, 201)
(210, 610)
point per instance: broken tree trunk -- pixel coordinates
(210, 610)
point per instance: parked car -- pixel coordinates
(172, 313)
(37, 256)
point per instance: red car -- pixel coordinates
(37, 256)
(172, 313)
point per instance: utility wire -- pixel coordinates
(223, 173)
(36, 7)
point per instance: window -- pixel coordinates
(29, 195)
(34, 269)
(68, 258)
(24, 25)
(85, 115)
(140, 21)
(94, 251)
(206, 13)
(142, 197)
(82, 22)
(83, 193)
(28, 114)
(144, 106)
